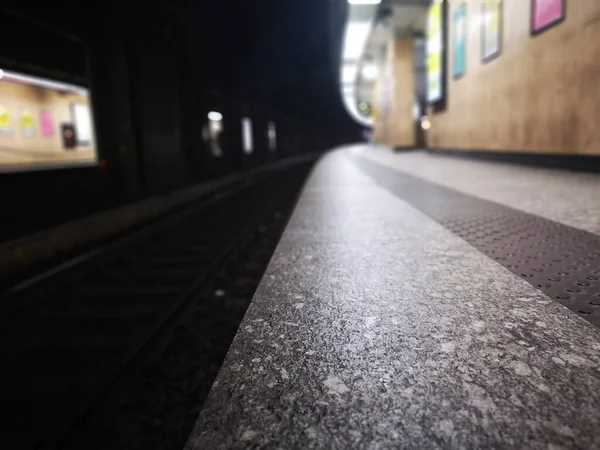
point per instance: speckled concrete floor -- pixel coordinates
(375, 327)
(570, 198)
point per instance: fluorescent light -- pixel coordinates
(349, 72)
(216, 116)
(364, 2)
(42, 82)
(272, 136)
(370, 72)
(356, 38)
(247, 135)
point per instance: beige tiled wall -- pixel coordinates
(542, 94)
(395, 95)
(16, 146)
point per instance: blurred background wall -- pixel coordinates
(542, 94)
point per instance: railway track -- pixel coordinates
(73, 350)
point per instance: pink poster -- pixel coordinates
(46, 123)
(546, 13)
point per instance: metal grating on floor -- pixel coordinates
(561, 261)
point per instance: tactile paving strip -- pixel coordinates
(561, 261)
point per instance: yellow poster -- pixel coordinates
(27, 119)
(4, 117)
(27, 123)
(435, 43)
(492, 28)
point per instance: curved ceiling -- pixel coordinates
(369, 26)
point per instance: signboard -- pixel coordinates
(459, 40)
(491, 29)
(545, 14)
(436, 41)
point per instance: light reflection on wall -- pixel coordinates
(212, 132)
(247, 141)
(272, 136)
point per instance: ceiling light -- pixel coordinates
(216, 116)
(42, 82)
(356, 38)
(425, 123)
(370, 72)
(349, 73)
(364, 2)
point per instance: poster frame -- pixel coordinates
(552, 24)
(487, 58)
(464, 9)
(72, 108)
(440, 104)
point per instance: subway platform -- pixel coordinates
(420, 301)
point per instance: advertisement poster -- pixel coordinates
(435, 52)
(546, 13)
(491, 29)
(5, 121)
(460, 40)
(46, 123)
(27, 123)
(83, 123)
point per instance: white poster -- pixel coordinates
(491, 29)
(82, 120)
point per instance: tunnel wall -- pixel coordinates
(395, 94)
(151, 91)
(542, 94)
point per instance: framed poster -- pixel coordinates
(491, 29)
(5, 121)
(46, 123)
(459, 40)
(545, 14)
(27, 124)
(436, 54)
(82, 119)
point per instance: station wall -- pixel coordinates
(396, 95)
(151, 92)
(22, 138)
(542, 94)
